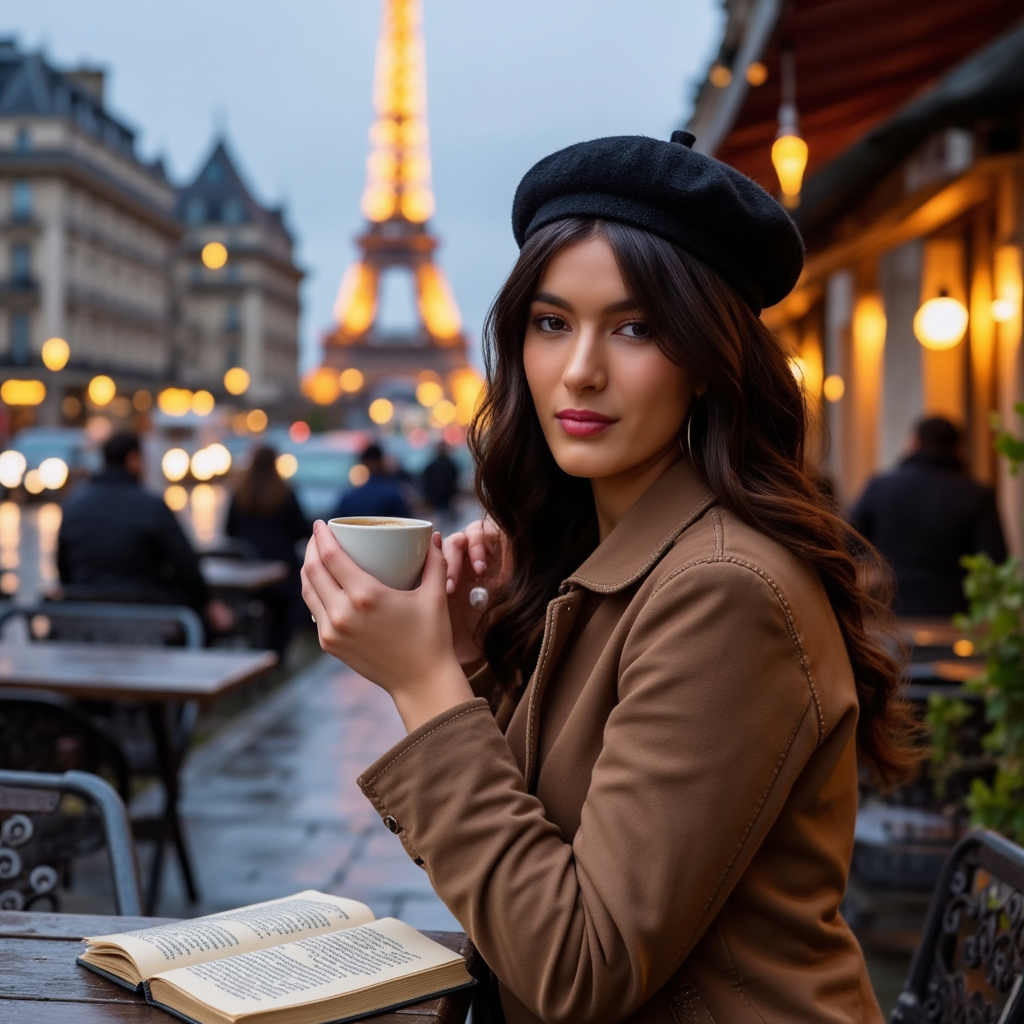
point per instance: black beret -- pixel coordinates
(700, 204)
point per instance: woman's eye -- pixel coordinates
(550, 324)
(637, 329)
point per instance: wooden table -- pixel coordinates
(40, 983)
(236, 574)
(159, 677)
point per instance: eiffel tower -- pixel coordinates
(397, 247)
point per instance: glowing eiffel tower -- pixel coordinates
(397, 203)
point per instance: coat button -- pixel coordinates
(391, 824)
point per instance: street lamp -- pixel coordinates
(55, 353)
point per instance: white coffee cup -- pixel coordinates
(387, 547)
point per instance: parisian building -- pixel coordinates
(99, 248)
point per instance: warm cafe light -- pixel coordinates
(287, 464)
(12, 468)
(256, 421)
(833, 388)
(236, 381)
(381, 410)
(101, 390)
(429, 393)
(202, 403)
(940, 323)
(55, 353)
(175, 464)
(789, 158)
(351, 380)
(174, 401)
(22, 392)
(214, 255)
(53, 473)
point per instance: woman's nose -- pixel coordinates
(585, 369)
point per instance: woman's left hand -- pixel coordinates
(401, 640)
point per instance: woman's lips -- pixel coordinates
(583, 422)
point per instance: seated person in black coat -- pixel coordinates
(925, 516)
(118, 541)
(381, 495)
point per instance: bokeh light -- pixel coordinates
(287, 464)
(34, 482)
(142, 400)
(53, 473)
(55, 353)
(358, 475)
(201, 464)
(351, 380)
(176, 497)
(236, 381)
(429, 393)
(299, 431)
(381, 411)
(22, 392)
(214, 255)
(202, 403)
(220, 458)
(256, 421)
(12, 468)
(174, 401)
(834, 387)
(101, 390)
(175, 464)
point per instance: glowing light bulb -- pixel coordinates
(940, 323)
(789, 158)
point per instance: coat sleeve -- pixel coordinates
(716, 716)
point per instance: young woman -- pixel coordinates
(634, 780)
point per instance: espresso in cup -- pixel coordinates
(392, 550)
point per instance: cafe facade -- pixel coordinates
(894, 135)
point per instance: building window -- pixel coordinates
(19, 339)
(21, 263)
(23, 139)
(233, 319)
(195, 210)
(21, 200)
(232, 212)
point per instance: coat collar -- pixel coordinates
(646, 532)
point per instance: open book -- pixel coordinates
(306, 959)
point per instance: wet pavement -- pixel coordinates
(271, 806)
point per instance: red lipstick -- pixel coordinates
(583, 422)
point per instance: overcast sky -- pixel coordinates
(290, 82)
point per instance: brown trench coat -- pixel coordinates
(663, 833)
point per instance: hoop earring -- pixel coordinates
(689, 443)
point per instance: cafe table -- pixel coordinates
(40, 983)
(158, 677)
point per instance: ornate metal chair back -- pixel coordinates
(969, 964)
(38, 831)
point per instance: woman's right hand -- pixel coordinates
(477, 557)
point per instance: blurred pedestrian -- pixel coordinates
(120, 542)
(265, 513)
(440, 483)
(925, 516)
(380, 495)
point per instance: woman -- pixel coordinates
(265, 513)
(657, 822)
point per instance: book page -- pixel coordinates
(322, 967)
(236, 931)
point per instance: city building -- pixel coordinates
(244, 311)
(894, 134)
(398, 332)
(101, 262)
(87, 235)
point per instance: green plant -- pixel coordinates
(995, 622)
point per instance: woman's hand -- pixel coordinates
(477, 557)
(401, 640)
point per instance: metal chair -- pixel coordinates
(26, 799)
(110, 622)
(969, 963)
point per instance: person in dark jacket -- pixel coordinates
(925, 516)
(120, 541)
(381, 495)
(265, 513)
(441, 481)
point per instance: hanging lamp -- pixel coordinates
(789, 151)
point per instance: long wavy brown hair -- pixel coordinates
(748, 434)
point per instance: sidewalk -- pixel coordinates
(271, 806)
